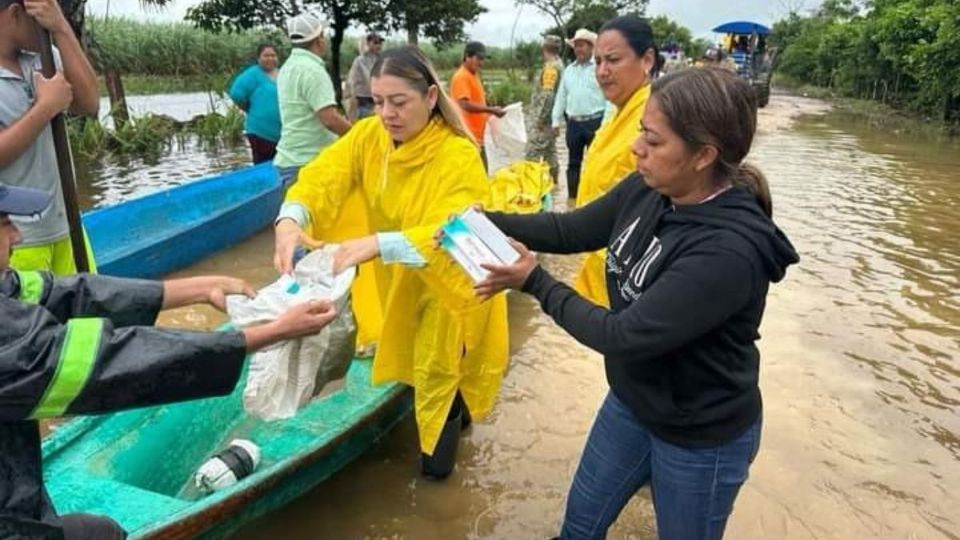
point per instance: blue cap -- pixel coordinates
(19, 201)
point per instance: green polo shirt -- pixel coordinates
(303, 87)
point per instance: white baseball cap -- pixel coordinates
(305, 28)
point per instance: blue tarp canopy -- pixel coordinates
(742, 27)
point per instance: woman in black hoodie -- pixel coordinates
(692, 251)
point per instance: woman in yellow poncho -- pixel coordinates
(414, 165)
(626, 56)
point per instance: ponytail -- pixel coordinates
(658, 62)
(712, 106)
(752, 178)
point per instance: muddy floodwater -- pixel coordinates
(860, 366)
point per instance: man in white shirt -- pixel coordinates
(581, 103)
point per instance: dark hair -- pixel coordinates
(474, 48)
(4, 4)
(260, 48)
(410, 64)
(660, 61)
(636, 30)
(712, 106)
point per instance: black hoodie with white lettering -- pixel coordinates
(687, 288)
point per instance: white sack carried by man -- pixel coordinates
(505, 139)
(285, 377)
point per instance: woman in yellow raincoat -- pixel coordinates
(414, 164)
(626, 56)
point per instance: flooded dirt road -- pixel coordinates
(860, 372)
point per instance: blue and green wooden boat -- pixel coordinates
(137, 466)
(155, 235)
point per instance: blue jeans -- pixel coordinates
(365, 107)
(288, 175)
(364, 111)
(693, 488)
(579, 137)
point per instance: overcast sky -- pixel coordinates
(503, 21)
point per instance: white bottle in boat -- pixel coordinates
(228, 467)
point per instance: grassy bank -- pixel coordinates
(161, 58)
(171, 49)
(152, 135)
(875, 114)
(180, 50)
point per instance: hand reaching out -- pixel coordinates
(355, 252)
(511, 276)
(225, 286)
(287, 236)
(438, 236)
(299, 321)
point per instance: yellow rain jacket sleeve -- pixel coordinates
(437, 336)
(348, 220)
(608, 161)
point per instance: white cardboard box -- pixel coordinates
(472, 239)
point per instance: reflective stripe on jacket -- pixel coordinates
(85, 345)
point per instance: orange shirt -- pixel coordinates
(466, 85)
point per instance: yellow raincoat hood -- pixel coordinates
(608, 161)
(437, 336)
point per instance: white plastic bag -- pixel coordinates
(284, 377)
(506, 138)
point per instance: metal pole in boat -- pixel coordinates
(68, 181)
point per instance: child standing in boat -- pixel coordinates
(415, 164)
(28, 101)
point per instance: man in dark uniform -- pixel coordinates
(86, 345)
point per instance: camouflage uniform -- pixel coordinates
(541, 141)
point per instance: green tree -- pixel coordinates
(441, 20)
(237, 15)
(698, 47)
(839, 9)
(903, 52)
(592, 16)
(528, 56)
(666, 30)
(565, 12)
(232, 15)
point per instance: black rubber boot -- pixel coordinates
(466, 420)
(440, 464)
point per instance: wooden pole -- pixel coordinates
(68, 181)
(118, 98)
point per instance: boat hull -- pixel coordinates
(137, 466)
(155, 235)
